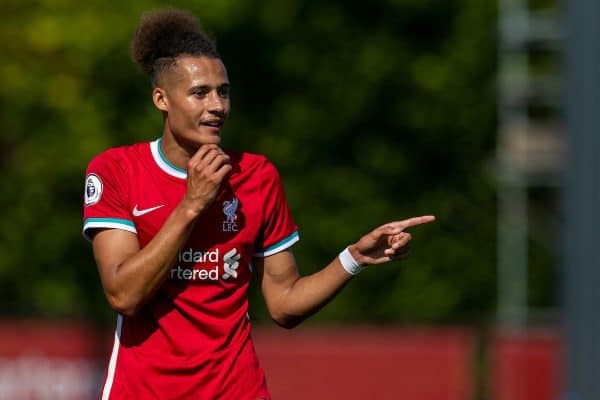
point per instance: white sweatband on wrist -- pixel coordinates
(349, 263)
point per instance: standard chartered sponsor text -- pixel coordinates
(191, 274)
(191, 255)
(211, 269)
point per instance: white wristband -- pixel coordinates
(349, 263)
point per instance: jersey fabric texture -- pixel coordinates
(192, 339)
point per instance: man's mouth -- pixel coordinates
(217, 123)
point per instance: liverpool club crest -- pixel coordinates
(230, 211)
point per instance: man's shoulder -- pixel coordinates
(245, 157)
(121, 155)
(251, 161)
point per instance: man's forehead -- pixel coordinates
(201, 69)
(188, 72)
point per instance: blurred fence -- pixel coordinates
(66, 360)
(525, 365)
(51, 360)
(368, 363)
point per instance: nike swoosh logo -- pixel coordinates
(137, 213)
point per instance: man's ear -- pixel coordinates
(159, 97)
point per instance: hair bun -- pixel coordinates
(168, 32)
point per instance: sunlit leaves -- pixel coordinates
(372, 111)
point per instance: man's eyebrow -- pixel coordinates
(204, 87)
(199, 87)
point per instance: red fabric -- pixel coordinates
(192, 339)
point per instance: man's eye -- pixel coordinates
(223, 92)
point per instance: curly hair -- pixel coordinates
(163, 35)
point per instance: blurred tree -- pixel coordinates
(372, 111)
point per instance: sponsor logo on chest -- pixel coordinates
(224, 268)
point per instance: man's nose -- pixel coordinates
(216, 103)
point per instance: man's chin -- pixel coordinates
(211, 136)
(212, 140)
(205, 138)
(192, 146)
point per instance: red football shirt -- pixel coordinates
(192, 339)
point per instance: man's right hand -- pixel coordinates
(205, 173)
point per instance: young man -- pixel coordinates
(178, 225)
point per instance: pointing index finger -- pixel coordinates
(414, 221)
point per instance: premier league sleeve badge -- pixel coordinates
(93, 189)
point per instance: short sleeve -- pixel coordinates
(279, 231)
(105, 197)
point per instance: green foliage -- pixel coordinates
(372, 111)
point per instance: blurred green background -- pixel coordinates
(372, 111)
